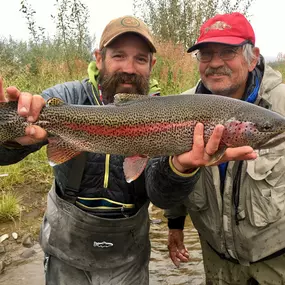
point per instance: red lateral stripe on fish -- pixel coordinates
(128, 131)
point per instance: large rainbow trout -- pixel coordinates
(140, 127)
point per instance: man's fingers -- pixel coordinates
(2, 93)
(184, 251)
(34, 134)
(24, 104)
(198, 140)
(250, 156)
(214, 140)
(239, 152)
(174, 258)
(37, 104)
(182, 256)
(13, 93)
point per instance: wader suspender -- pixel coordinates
(75, 177)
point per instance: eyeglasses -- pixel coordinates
(225, 54)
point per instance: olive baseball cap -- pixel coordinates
(126, 24)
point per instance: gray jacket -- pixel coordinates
(247, 222)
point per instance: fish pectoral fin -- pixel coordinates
(58, 151)
(124, 98)
(217, 155)
(134, 166)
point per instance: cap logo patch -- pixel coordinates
(130, 22)
(219, 25)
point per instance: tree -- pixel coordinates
(72, 40)
(72, 30)
(37, 33)
(179, 21)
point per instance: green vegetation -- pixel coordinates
(9, 206)
(179, 21)
(16, 179)
(33, 168)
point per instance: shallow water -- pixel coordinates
(162, 270)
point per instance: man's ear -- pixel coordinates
(254, 62)
(153, 62)
(99, 59)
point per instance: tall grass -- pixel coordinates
(34, 167)
(9, 206)
(175, 69)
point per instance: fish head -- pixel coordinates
(257, 127)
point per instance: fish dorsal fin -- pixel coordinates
(55, 102)
(124, 98)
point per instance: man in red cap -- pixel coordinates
(238, 208)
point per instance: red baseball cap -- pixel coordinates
(231, 29)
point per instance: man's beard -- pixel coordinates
(110, 84)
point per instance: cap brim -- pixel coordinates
(152, 48)
(233, 41)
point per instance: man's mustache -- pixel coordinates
(127, 78)
(218, 71)
(110, 84)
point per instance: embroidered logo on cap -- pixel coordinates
(130, 22)
(219, 25)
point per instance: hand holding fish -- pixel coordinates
(202, 155)
(29, 106)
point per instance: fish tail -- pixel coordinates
(11, 124)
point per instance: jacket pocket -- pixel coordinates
(265, 198)
(198, 198)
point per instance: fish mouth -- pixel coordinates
(274, 141)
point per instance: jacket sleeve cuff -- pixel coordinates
(177, 223)
(12, 145)
(181, 173)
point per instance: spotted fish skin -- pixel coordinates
(150, 126)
